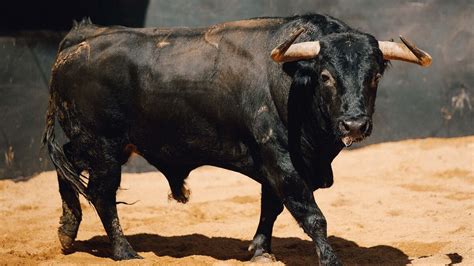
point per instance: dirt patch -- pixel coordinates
(422, 188)
(460, 196)
(420, 249)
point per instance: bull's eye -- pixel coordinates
(327, 79)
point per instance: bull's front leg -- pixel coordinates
(271, 207)
(298, 199)
(308, 215)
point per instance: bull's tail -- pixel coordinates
(64, 167)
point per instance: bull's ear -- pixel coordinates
(291, 68)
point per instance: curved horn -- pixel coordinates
(287, 51)
(407, 52)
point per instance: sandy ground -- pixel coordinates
(392, 203)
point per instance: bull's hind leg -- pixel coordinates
(104, 180)
(271, 207)
(72, 213)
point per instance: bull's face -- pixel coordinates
(349, 69)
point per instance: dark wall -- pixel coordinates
(412, 102)
(24, 73)
(58, 14)
(30, 32)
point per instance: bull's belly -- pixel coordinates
(172, 148)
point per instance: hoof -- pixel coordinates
(252, 247)
(264, 258)
(66, 242)
(127, 255)
(259, 244)
(332, 262)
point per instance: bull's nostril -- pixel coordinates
(368, 128)
(354, 127)
(363, 127)
(344, 127)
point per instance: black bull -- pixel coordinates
(182, 98)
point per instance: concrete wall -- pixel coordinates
(412, 102)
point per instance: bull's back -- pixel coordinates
(181, 88)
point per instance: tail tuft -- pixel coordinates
(64, 168)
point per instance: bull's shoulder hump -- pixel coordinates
(240, 25)
(92, 32)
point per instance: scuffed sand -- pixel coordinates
(392, 203)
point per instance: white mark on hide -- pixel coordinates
(162, 44)
(164, 41)
(262, 109)
(209, 34)
(65, 56)
(267, 136)
(82, 46)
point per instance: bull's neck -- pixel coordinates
(312, 144)
(308, 123)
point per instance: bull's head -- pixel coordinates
(348, 70)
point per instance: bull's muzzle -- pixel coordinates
(354, 129)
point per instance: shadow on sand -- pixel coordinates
(291, 251)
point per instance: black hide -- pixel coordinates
(186, 97)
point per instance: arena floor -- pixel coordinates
(392, 203)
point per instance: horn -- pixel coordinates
(287, 51)
(407, 52)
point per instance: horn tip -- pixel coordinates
(275, 54)
(423, 57)
(426, 61)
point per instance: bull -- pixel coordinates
(275, 99)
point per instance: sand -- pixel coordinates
(391, 203)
